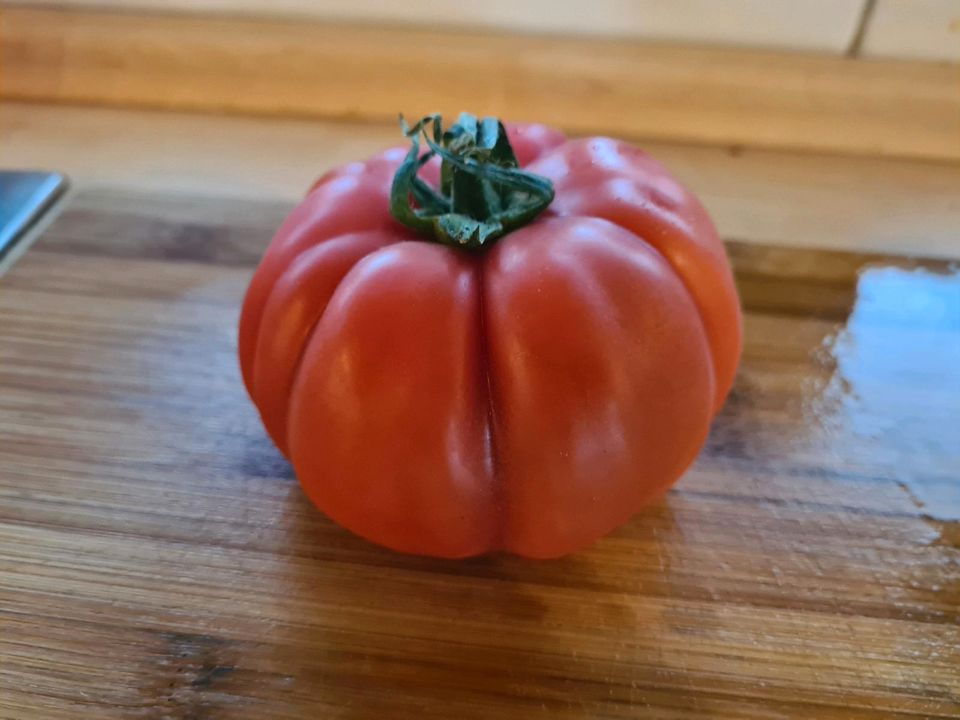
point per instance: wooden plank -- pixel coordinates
(756, 98)
(819, 25)
(851, 203)
(157, 560)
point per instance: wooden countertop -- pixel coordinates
(157, 559)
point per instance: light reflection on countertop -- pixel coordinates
(895, 386)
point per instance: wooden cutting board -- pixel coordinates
(157, 559)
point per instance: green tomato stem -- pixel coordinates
(483, 193)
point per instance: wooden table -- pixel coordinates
(157, 559)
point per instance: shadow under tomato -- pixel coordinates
(373, 633)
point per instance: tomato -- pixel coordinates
(525, 384)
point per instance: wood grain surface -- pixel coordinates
(157, 559)
(297, 68)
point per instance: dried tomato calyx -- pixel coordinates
(483, 193)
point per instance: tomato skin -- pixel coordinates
(527, 398)
(293, 309)
(610, 179)
(350, 199)
(601, 377)
(389, 421)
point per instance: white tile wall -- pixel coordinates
(921, 29)
(814, 25)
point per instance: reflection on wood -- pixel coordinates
(158, 560)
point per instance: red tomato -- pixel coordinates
(528, 396)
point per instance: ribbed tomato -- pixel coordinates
(505, 375)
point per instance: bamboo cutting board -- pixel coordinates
(157, 559)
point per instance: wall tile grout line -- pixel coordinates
(863, 25)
